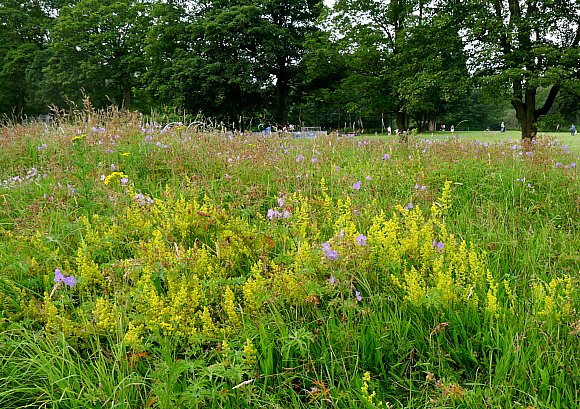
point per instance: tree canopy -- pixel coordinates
(364, 64)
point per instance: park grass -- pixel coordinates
(206, 278)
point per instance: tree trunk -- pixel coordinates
(283, 88)
(126, 89)
(526, 111)
(402, 121)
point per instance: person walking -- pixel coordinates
(573, 129)
(502, 127)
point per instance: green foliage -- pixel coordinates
(205, 272)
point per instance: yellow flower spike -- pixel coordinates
(229, 306)
(250, 353)
(414, 286)
(105, 316)
(114, 177)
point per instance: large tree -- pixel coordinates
(521, 45)
(97, 47)
(422, 59)
(23, 34)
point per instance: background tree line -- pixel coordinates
(364, 64)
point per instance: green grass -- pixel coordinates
(189, 295)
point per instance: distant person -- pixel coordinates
(502, 126)
(452, 129)
(389, 130)
(573, 129)
(443, 127)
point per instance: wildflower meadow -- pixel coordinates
(149, 263)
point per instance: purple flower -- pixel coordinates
(409, 206)
(356, 186)
(331, 280)
(357, 295)
(286, 214)
(558, 164)
(326, 246)
(573, 165)
(438, 245)
(314, 160)
(368, 178)
(336, 168)
(361, 240)
(58, 276)
(332, 255)
(124, 180)
(273, 214)
(280, 202)
(386, 156)
(299, 158)
(69, 281)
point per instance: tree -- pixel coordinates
(97, 47)
(430, 72)
(519, 46)
(23, 34)
(423, 66)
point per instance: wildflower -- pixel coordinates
(409, 206)
(280, 202)
(70, 281)
(573, 165)
(356, 186)
(332, 255)
(124, 180)
(386, 156)
(59, 277)
(438, 245)
(274, 214)
(286, 214)
(357, 295)
(361, 240)
(300, 158)
(368, 178)
(314, 160)
(336, 168)
(558, 164)
(326, 246)
(331, 280)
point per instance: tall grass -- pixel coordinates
(205, 275)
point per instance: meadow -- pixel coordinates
(153, 264)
